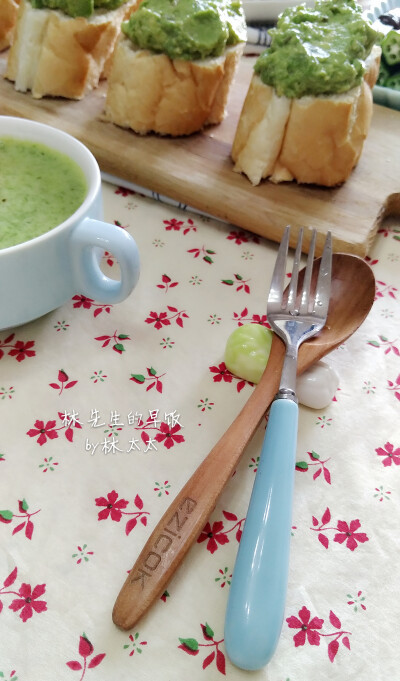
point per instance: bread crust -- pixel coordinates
(149, 92)
(8, 18)
(57, 55)
(314, 140)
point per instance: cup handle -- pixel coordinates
(91, 235)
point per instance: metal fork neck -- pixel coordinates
(286, 394)
(287, 387)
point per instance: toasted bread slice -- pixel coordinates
(54, 54)
(314, 140)
(149, 92)
(8, 19)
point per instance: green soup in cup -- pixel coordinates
(41, 270)
(40, 187)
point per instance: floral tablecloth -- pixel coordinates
(107, 410)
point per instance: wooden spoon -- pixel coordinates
(352, 295)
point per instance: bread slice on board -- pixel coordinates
(314, 140)
(8, 18)
(149, 92)
(54, 54)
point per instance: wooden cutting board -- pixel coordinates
(197, 170)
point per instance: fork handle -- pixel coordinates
(257, 593)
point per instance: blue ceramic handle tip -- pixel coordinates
(257, 595)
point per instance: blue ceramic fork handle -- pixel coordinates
(257, 594)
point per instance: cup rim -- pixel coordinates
(46, 134)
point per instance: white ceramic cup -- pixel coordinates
(39, 275)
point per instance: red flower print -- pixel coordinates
(173, 224)
(221, 373)
(390, 455)
(22, 350)
(308, 629)
(87, 303)
(347, 533)
(192, 647)
(43, 431)
(260, 319)
(213, 534)
(112, 506)
(85, 647)
(169, 435)
(85, 650)
(167, 283)
(118, 346)
(83, 301)
(158, 319)
(244, 317)
(17, 349)
(238, 237)
(62, 378)
(134, 644)
(28, 601)
(124, 191)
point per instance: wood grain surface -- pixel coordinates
(197, 170)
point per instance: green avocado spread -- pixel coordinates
(187, 29)
(77, 8)
(317, 51)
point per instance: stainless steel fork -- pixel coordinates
(257, 593)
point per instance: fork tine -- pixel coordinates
(322, 293)
(292, 295)
(278, 275)
(305, 294)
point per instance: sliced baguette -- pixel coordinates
(315, 140)
(54, 54)
(149, 92)
(8, 18)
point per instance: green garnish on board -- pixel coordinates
(391, 48)
(77, 8)
(389, 26)
(187, 29)
(317, 51)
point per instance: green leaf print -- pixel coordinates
(138, 377)
(190, 643)
(209, 631)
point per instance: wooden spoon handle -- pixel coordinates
(189, 511)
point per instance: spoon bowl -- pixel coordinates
(352, 295)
